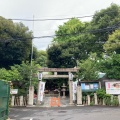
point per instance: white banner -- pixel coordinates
(113, 87)
(74, 86)
(41, 91)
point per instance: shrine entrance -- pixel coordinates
(51, 88)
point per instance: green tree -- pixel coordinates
(15, 43)
(88, 69)
(69, 45)
(69, 31)
(113, 43)
(75, 40)
(111, 66)
(42, 58)
(104, 22)
(20, 75)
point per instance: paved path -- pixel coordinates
(66, 113)
(64, 102)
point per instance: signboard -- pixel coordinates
(42, 88)
(13, 91)
(39, 76)
(89, 86)
(113, 87)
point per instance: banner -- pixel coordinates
(74, 87)
(113, 87)
(41, 90)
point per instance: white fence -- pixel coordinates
(19, 101)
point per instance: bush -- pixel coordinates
(107, 99)
(101, 93)
(115, 101)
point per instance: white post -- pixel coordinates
(38, 93)
(103, 101)
(31, 95)
(21, 100)
(88, 97)
(111, 98)
(71, 92)
(12, 100)
(119, 99)
(95, 97)
(71, 88)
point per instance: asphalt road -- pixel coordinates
(66, 113)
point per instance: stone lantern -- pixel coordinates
(63, 90)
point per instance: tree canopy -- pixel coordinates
(41, 58)
(75, 40)
(111, 66)
(15, 43)
(113, 43)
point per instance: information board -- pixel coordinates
(113, 87)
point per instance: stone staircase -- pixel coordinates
(46, 101)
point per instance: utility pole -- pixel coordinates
(31, 88)
(31, 54)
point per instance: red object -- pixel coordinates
(35, 95)
(55, 102)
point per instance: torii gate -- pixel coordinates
(55, 75)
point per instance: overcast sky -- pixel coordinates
(25, 9)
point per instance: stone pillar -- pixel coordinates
(12, 100)
(71, 92)
(79, 95)
(111, 98)
(31, 95)
(119, 99)
(95, 98)
(103, 101)
(99, 84)
(63, 89)
(38, 93)
(88, 98)
(59, 92)
(21, 100)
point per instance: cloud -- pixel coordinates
(50, 9)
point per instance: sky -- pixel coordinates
(49, 9)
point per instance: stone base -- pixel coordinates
(30, 106)
(71, 104)
(79, 105)
(63, 97)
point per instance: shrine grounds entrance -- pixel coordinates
(58, 73)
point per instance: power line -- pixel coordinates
(107, 29)
(53, 19)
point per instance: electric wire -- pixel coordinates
(94, 31)
(54, 19)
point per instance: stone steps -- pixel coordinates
(46, 101)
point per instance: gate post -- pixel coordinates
(71, 88)
(31, 95)
(79, 95)
(95, 98)
(12, 100)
